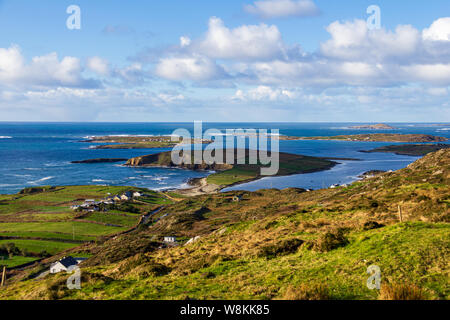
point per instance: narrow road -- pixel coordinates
(147, 217)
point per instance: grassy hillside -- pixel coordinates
(273, 244)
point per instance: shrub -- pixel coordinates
(9, 249)
(282, 248)
(307, 292)
(331, 240)
(369, 225)
(401, 292)
(143, 266)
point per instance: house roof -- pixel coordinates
(68, 261)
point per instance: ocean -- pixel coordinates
(35, 154)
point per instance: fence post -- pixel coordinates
(3, 276)
(400, 216)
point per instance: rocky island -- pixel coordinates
(140, 142)
(379, 126)
(381, 137)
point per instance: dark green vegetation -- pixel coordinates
(382, 137)
(410, 149)
(231, 174)
(274, 244)
(39, 222)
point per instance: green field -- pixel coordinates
(47, 235)
(113, 218)
(16, 261)
(82, 228)
(41, 218)
(39, 246)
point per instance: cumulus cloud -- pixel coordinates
(283, 8)
(438, 31)
(353, 40)
(244, 42)
(195, 67)
(47, 70)
(98, 65)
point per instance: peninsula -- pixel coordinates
(232, 174)
(410, 149)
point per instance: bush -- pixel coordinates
(282, 248)
(143, 266)
(372, 225)
(331, 240)
(9, 249)
(307, 292)
(401, 292)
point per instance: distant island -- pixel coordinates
(140, 142)
(381, 137)
(410, 149)
(379, 126)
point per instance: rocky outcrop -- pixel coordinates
(164, 160)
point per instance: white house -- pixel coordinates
(137, 194)
(126, 196)
(64, 264)
(170, 239)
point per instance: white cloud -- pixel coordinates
(45, 70)
(244, 42)
(264, 93)
(283, 8)
(185, 41)
(353, 40)
(438, 31)
(171, 98)
(196, 68)
(98, 65)
(431, 73)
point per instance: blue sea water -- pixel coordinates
(34, 154)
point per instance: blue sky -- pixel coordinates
(266, 60)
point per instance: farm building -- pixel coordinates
(64, 264)
(170, 239)
(127, 196)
